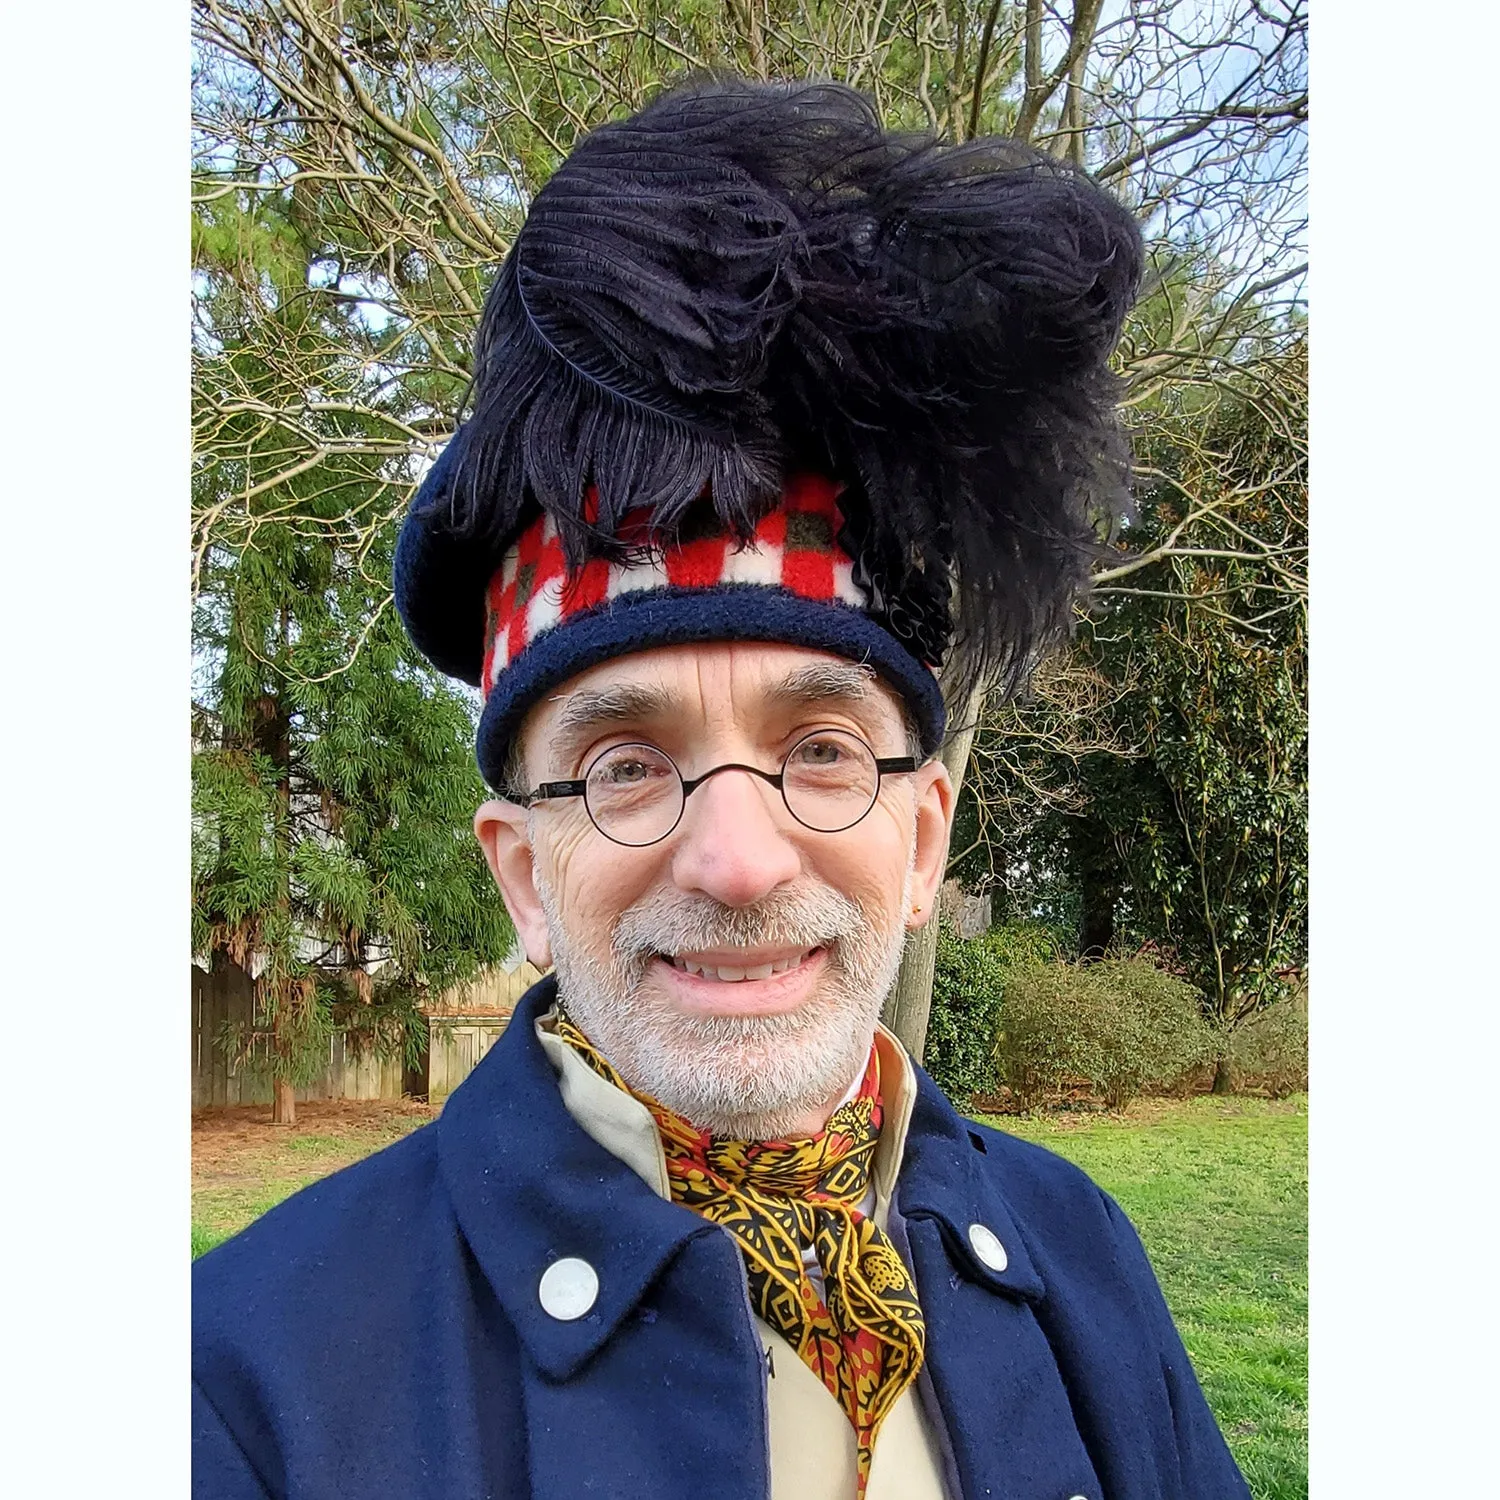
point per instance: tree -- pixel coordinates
(403, 142)
(333, 777)
(1189, 829)
(1212, 828)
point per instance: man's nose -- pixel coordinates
(732, 844)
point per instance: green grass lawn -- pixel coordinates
(1218, 1190)
(1216, 1187)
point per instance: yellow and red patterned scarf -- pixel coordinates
(865, 1341)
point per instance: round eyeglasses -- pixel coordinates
(634, 794)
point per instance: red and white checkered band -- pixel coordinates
(795, 549)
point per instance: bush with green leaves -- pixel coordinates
(968, 985)
(1269, 1051)
(1119, 1024)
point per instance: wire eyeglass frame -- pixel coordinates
(889, 765)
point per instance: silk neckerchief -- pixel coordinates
(864, 1338)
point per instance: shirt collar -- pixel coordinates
(616, 1120)
(898, 1097)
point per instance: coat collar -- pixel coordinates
(943, 1177)
(530, 1186)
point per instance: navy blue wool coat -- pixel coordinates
(381, 1335)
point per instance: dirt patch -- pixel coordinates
(1079, 1105)
(1082, 1114)
(242, 1141)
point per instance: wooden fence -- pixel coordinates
(462, 1025)
(465, 1022)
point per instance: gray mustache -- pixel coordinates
(669, 923)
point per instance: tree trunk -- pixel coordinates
(283, 1103)
(910, 1001)
(1226, 1075)
(414, 1078)
(1096, 929)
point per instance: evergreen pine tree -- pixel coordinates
(333, 771)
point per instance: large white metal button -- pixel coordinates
(989, 1249)
(568, 1288)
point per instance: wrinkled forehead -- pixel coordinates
(724, 691)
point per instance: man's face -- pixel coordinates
(734, 970)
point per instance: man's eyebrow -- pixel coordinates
(820, 681)
(587, 709)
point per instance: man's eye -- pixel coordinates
(630, 766)
(820, 752)
(625, 772)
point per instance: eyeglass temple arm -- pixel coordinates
(550, 789)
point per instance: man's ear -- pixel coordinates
(500, 828)
(935, 803)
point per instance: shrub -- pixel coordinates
(1161, 1030)
(1119, 1024)
(1044, 1037)
(968, 984)
(1269, 1050)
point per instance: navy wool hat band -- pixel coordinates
(544, 623)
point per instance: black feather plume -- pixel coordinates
(746, 279)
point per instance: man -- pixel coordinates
(775, 414)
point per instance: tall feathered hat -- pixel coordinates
(757, 369)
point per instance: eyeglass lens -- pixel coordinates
(635, 795)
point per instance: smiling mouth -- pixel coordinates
(726, 973)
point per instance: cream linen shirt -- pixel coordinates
(812, 1443)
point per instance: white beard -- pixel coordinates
(738, 1077)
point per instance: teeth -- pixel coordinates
(732, 975)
